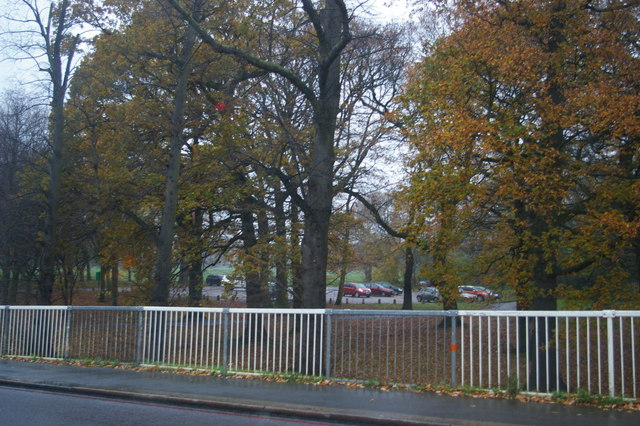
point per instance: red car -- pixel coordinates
(481, 293)
(378, 290)
(356, 290)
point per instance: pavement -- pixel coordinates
(333, 403)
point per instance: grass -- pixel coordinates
(583, 397)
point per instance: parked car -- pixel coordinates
(467, 295)
(214, 280)
(356, 290)
(426, 283)
(378, 290)
(396, 290)
(428, 294)
(480, 292)
(492, 294)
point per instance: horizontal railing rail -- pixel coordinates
(533, 351)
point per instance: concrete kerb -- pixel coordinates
(234, 405)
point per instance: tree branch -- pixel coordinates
(376, 214)
(244, 55)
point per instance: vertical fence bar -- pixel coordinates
(139, 350)
(454, 347)
(610, 352)
(567, 354)
(621, 326)
(599, 356)
(5, 331)
(589, 354)
(327, 357)
(225, 339)
(633, 357)
(489, 370)
(67, 337)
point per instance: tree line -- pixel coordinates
(264, 132)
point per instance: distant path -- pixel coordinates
(503, 306)
(214, 292)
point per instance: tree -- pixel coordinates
(511, 113)
(162, 272)
(22, 142)
(52, 39)
(123, 96)
(332, 32)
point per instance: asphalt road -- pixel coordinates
(35, 407)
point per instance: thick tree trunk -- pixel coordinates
(50, 235)
(103, 284)
(13, 287)
(257, 295)
(409, 260)
(368, 273)
(195, 260)
(343, 267)
(542, 333)
(163, 266)
(282, 278)
(320, 190)
(296, 265)
(4, 286)
(114, 284)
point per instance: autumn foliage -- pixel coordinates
(523, 120)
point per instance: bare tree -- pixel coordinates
(48, 34)
(22, 141)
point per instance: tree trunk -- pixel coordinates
(163, 266)
(282, 278)
(368, 272)
(13, 287)
(320, 190)
(4, 286)
(257, 296)
(409, 260)
(114, 284)
(103, 284)
(543, 332)
(343, 267)
(194, 266)
(296, 266)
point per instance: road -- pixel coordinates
(34, 407)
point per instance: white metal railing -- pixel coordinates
(532, 351)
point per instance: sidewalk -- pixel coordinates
(336, 403)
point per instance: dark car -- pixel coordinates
(396, 290)
(378, 290)
(356, 290)
(214, 280)
(428, 294)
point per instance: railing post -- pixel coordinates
(5, 331)
(225, 339)
(327, 355)
(609, 315)
(454, 346)
(67, 337)
(139, 337)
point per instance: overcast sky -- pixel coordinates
(22, 73)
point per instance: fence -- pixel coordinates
(530, 351)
